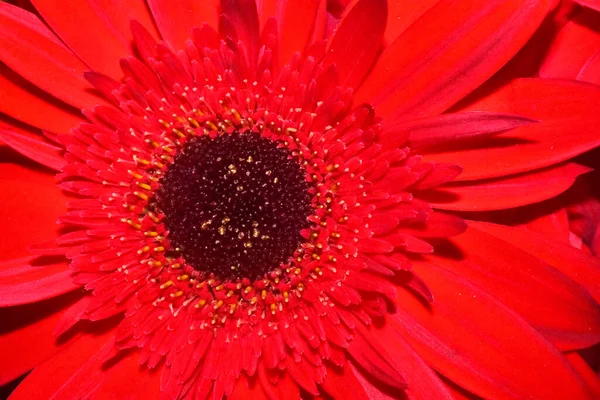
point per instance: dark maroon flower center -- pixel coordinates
(235, 204)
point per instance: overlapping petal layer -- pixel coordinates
(399, 300)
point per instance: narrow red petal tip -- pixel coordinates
(35, 148)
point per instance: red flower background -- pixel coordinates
(443, 231)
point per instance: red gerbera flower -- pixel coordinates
(252, 208)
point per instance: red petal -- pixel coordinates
(372, 391)
(446, 128)
(342, 383)
(372, 357)
(591, 70)
(268, 9)
(509, 192)
(77, 372)
(569, 113)
(421, 381)
(437, 225)
(243, 16)
(277, 386)
(357, 41)
(402, 14)
(477, 342)
(35, 148)
(374, 246)
(71, 316)
(47, 378)
(26, 337)
(589, 376)
(126, 379)
(296, 25)
(176, 21)
(320, 30)
(551, 302)
(244, 390)
(552, 223)
(28, 47)
(25, 102)
(29, 207)
(425, 71)
(23, 281)
(593, 4)
(577, 265)
(572, 47)
(440, 174)
(104, 23)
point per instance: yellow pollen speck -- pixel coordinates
(141, 195)
(248, 245)
(166, 284)
(134, 174)
(183, 277)
(222, 230)
(134, 224)
(201, 303)
(179, 133)
(205, 224)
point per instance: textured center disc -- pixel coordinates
(235, 204)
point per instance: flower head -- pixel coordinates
(255, 206)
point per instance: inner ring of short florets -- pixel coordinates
(234, 205)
